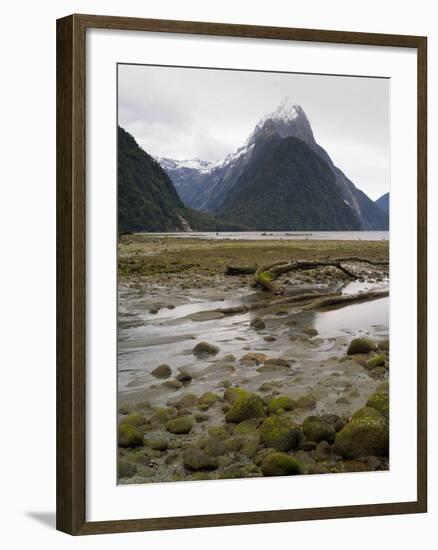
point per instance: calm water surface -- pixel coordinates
(279, 235)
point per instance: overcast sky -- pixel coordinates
(184, 113)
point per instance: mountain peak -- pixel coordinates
(287, 110)
(287, 120)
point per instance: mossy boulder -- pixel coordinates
(124, 409)
(280, 464)
(258, 323)
(306, 402)
(378, 373)
(315, 429)
(204, 349)
(162, 371)
(195, 459)
(248, 427)
(163, 414)
(361, 345)
(245, 407)
(200, 476)
(279, 433)
(219, 432)
(187, 401)
(215, 447)
(375, 361)
(208, 398)
(133, 419)
(125, 469)
(128, 436)
(384, 344)
(366, 412)
(250, 447)
(231, 395)
(362, 437)
(184, 377)
(180, 425)
(252, 358)
(156, 443)
(380, 402)
(383, 387)
(281, 402)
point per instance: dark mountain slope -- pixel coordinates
(205, 186)
(383, 202)
(147, 199)
(288, 187)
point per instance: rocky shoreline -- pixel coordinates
(276, 391)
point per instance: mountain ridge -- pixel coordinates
(147, 198)
(208, 188)
(288, 187)
(383, 202)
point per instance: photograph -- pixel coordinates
(253, 274)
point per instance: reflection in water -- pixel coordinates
(358, 317)
(146, 340)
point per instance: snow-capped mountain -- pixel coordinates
(202, 184)
(205, 185)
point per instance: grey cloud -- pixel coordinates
(189, 112)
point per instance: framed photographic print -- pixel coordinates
(241, 282)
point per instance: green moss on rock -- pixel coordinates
(280, 464)
(361, 437)
(361, 345)
(124, 409)
(245, 407)
(231, 395)
(162, 371)
(250, 447)
(248, 427)
(125, 469)
(180, 425)
(306, 402)
(218, 431)
(195, 459)
(315, 429)
(163, 414)
(384, 344)
(204, 349)
(156, 443)
(187, 401)
(208, 398)
(279, 433)
(133, 419)
(128, 436)
(380, 402)
(215, 447)
(281, 402)
(375, 361)
(200, 476)
(366, 411)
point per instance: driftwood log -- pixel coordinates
(266, 276)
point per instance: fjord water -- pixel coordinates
(279, 235)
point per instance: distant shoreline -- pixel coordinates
(276, 235)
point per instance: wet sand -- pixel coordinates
(169, 291)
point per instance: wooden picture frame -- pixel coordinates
(71, 273)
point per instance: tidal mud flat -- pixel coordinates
(220, 379)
